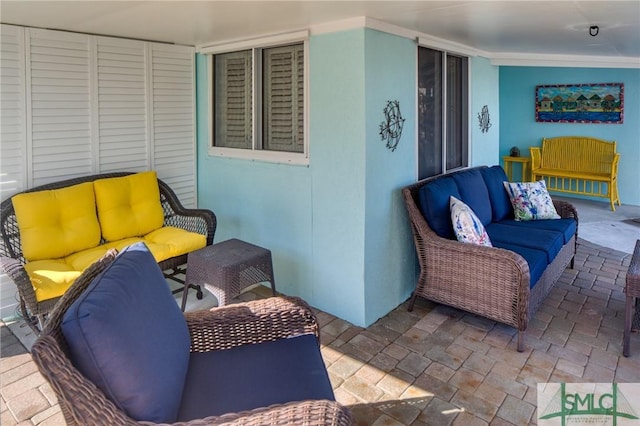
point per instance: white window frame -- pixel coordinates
(446, 51)
(254, 45)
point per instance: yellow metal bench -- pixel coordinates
(578, 165)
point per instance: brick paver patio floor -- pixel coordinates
(435, 365)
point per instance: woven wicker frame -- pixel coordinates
(82, 403)
(175, 214)
(632, 291)
(488, 281)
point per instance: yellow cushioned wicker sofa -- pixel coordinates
(51, 233)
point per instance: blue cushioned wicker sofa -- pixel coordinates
(505, 282)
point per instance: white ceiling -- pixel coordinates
(494, 27)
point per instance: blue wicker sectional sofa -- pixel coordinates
(506, 281)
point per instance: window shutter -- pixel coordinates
(121, 105)
(284, 98)
(60, 105)
(173, 118)
(233, 100)
(13, 124)
(13, 143)
(300, 99)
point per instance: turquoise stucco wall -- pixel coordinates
(336, 228)
(337, 166)
(390, 75)
(519, 128)
(485, 146)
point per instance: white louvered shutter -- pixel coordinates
(121, 105)
(13, 151)
(75, 104)
(284, 98)
(13, 121)
(233, 96)
(173, 118)
(59, 103)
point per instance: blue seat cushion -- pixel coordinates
(433, 200)
(549, 242)
(494, 177)
(474, 193)
(566, 226)
(253, 376)
(536, 259)
(127, 335)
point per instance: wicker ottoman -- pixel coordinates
(632, 289)
(227, 268)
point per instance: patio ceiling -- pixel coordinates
(536, 27)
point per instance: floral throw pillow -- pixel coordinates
(466, 225)
(531, 200)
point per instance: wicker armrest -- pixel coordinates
(565, 209)
(81, 402)
(251, 322)
(311, 413)
(15, 270)
(489, 281)
(200, 221)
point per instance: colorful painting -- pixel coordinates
(580, 103)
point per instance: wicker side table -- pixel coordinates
(632, 289)
(227, 268)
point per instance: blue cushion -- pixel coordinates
(501, 207)
(567, 226)
(128, 336)
(549, 242)
(536, 259)
(433, 200)
(252, 376)
(474, 193)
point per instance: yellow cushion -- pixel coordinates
(128, 206)
(168, 242)
(81, 260)
(50, 278)
(56, 223)
(164, 243)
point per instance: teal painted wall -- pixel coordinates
(390, 75)
(519, 128)
(337, 188)
(485, 146)
(337, 229)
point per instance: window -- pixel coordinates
(443, 98)
(258, 102)
(233, 100)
